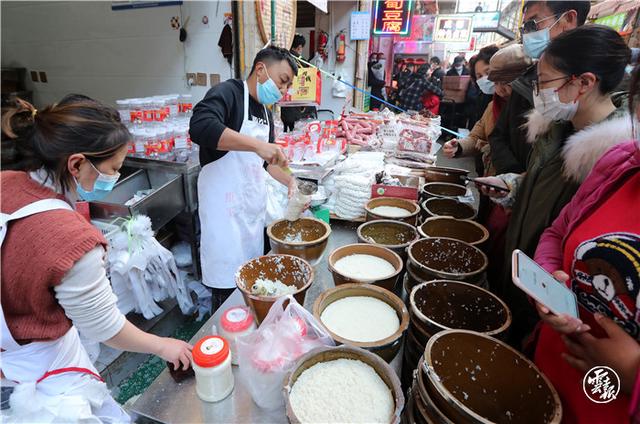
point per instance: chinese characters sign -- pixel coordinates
(453, 29)
(392, 17)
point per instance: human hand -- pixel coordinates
(450, 148)
(175, 351)
(491, 192)
(272, 154)
(618, 350)
(563, 323)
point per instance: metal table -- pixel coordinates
(166, 401)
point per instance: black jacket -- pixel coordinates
(436, 77)
(376, 85)
(508, 141)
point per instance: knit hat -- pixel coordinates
(508, 64)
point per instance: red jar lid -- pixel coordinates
(210, 351)
(236, 319)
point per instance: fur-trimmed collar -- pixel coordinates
(582, 150)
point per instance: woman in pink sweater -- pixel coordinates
(594, 248)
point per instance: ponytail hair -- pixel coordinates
(44, 139)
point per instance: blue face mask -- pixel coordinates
(268, 91)
(101, 188)
(536, 42)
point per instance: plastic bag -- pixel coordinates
(277, 198)
(266, 355)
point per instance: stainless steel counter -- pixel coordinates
(169, 402)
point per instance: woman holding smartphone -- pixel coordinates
(594, 248)
(575, 121)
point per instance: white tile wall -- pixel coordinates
(87, 48)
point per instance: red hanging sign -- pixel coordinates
(392, 17)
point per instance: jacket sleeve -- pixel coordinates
(503, 159)
(88, 300)
(478, 132)
(210, 115)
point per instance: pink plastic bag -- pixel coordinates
(266, 355)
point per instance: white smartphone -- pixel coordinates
(542, 287)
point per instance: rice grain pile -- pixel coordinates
(360, 319)
(391, 211)
(367, 267)
(265, 287)
(341, 391)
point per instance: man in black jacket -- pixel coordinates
(508, 141)
(235, 132)
(436, 71)
(458, 69)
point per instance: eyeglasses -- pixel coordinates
(537, 83)
(532, 25)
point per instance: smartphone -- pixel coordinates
(542, 286)
(495, 187)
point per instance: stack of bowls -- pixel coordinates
(441, 174)
(468, 377)
(460, 229)
(442, 305)
(445, 258)
(442, 190)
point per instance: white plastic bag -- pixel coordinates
(266, 355)
(277, 199)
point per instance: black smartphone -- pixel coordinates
(495, 187)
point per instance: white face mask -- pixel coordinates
(548, 104)
(486, 86)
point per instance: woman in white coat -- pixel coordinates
(53, 272)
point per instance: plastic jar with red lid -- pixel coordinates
(212, 366)
(236, 322)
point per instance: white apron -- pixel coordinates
(232, 203)
(56, 381)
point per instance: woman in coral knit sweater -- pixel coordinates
(53, 272)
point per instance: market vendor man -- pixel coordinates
(235, 132)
